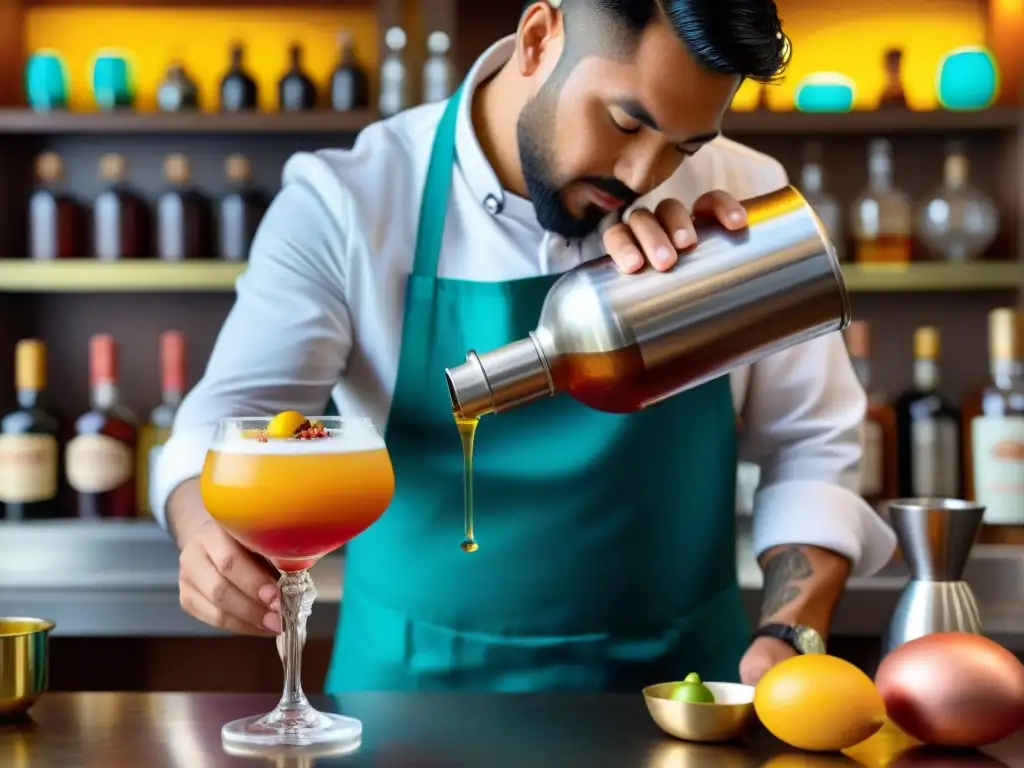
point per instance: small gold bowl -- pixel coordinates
(24, 663)
(722, 721)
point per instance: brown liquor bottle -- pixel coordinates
(241, 210)
(100, 459)
(183, 218)
(121, 220)
(55, 219)
(880, 468)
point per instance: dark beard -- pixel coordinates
(533, 131)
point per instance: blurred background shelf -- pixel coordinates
(83, 276)
(898, 121)
(23, 121)
(86, 276)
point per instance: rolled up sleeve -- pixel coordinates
(803, 419)
(284, 343)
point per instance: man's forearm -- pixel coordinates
(802, 585)
(185, 511)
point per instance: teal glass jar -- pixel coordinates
(825, 92)
(112, 83)
(967, 79)
(46, 81)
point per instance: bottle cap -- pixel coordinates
(438, 43)
(102, 359)
(30, 365)
(176, 168)
(49, 167)
(926, 343)
(238, 168)
(172, 361)
(394, 39)
(858, 339)
(1005, 335)
(113, 167)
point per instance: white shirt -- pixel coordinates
(319, 311)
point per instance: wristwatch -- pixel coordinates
(802, 639)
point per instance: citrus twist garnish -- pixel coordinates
(287, 424)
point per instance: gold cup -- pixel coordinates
(722, 721)
(24, 663)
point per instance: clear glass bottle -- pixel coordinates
(957, 222)
(394, 75)
(121, 218)
(881, 217)
(350, 85)
(238, 92)
(241, 210)
(55, 220)
(177, 92)
(998, 432)
(812, 183)
(437, 69)
(295, 91)
(183, 215)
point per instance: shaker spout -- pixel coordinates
(499, 380)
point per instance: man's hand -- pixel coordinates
(763, 654)
(219, 581)
(658, 236)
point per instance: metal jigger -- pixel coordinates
(935, 537)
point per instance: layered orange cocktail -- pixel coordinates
(295, 499)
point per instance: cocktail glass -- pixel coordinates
(294, 500)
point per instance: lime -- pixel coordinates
(693, 690)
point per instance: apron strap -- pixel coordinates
(436, 190)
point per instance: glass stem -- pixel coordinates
(297, 596)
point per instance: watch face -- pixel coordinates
(809, 641)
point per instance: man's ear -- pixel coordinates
(539, 36)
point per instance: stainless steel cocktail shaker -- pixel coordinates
(619, 343)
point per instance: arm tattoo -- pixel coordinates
(780, 572)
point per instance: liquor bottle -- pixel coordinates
(394, 75)
(29, 474)
(893, 94)
(880, 463)
(153, 435)
(350, 85)
(295, 91)
(121, 219)
(240, 211)
(880, 219)
(957, 222)
(998, 433)
(177, 92)
(100, 458)
(238, 91)
(826, 206)
(437, 69)
(55, 220)
(929, 428)
(183, 216)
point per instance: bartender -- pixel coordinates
(607, 553)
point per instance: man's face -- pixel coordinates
(595, 137)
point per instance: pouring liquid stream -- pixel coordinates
(467, 433)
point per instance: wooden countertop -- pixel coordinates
(114, 730)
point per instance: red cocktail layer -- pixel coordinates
(293, 548)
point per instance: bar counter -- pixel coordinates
(116, 730)
(120, 579)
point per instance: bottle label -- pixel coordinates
(28, 468)
(936, 458)
(97, 463)
(998, 443)
(871, 461)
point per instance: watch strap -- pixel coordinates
(801, 639)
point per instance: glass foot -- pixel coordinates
(295, 728)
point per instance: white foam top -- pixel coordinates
(354, 436)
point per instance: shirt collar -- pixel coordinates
(475, 167)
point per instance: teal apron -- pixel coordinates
(607, 555)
